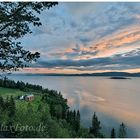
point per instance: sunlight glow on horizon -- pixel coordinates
(67, 71)
(71, 40)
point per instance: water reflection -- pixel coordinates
(111, 112)
(113, 100)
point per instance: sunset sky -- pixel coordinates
(87, 38)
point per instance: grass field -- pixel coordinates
(4, 92)
(23, 104)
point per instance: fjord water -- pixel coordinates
(113, 100)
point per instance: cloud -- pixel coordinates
(88, 36)
(116, 62)
(123, 40)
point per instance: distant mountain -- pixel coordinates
(124, 74)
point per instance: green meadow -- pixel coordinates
(4, 92)
(8, 92)
(49, 109)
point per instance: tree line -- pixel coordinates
(58, 111)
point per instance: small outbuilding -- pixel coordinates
(21, 97)
(29, 97)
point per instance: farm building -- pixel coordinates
(21, 97)
(29, 97)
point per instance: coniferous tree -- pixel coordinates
(52, 109)
(29, 108)
(113, 133)
(77, 127)
(40, 108)
(96, 126)
(68, 116)
(122, 131)
(11, 107)
(71, 117)
(74, 116)
(7, 103)
(64, 113)
(2, 105)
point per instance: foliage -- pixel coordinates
(96, 126)
(84, 133)
(49, 109)
(122, 131)
(15, 20)
(113, 133)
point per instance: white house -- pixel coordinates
(21, 97)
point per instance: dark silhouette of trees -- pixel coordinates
(29, 108)
(15, 20)
(2, 104)
(40, 108)
(12, 107)
(52, 109)
(113, 133)
(77, 121)
(73, 118)
(122, 131)
(96, 126)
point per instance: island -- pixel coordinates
(118, 77)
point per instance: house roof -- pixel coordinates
(31, 95)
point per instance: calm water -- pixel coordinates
(113, 100)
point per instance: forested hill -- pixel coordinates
(125, 74)
(46, 116)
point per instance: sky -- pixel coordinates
(86, 37)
